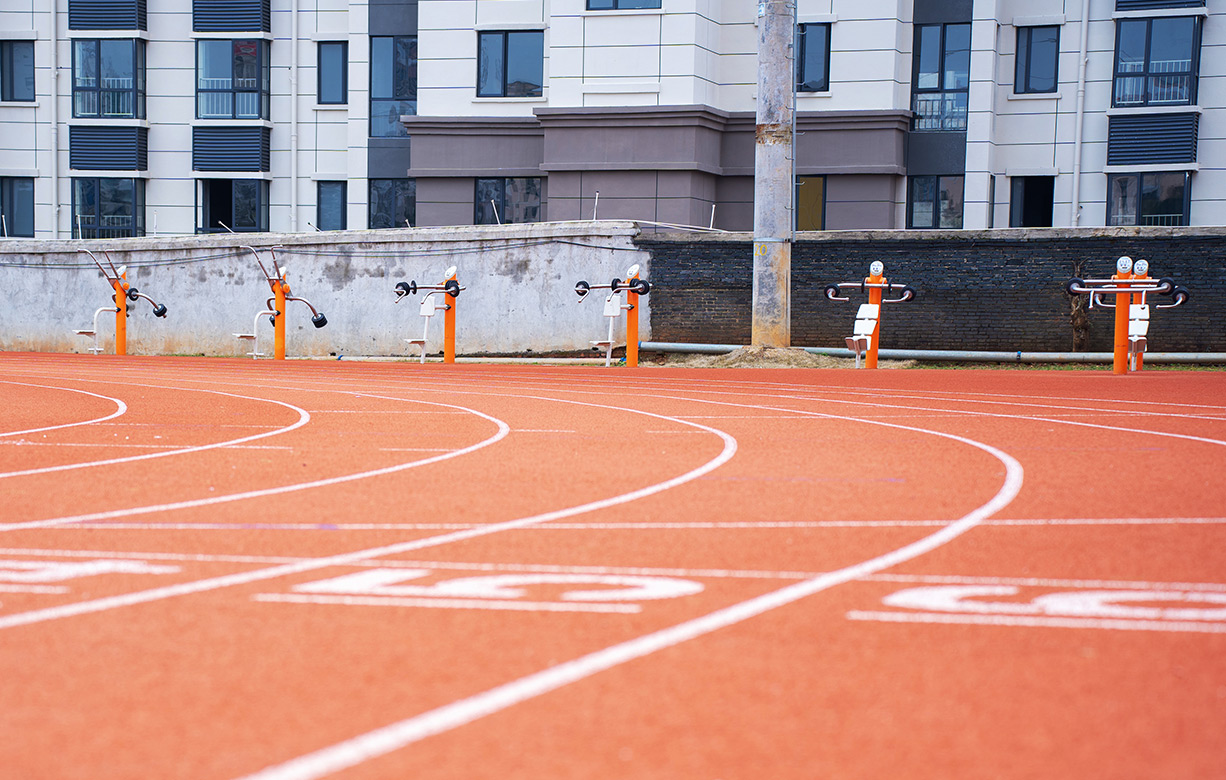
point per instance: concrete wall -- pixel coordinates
(520, 295)
(977, 290)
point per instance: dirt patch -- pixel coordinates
(766, 357)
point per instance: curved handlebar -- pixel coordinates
(906, 292)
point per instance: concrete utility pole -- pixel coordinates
(773, 173)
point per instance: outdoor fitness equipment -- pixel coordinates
(117, 278)
(1131, 283)
(274, 307)
(430, 305)
(865, 338)
(614, 305)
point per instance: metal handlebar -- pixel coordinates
(637, 286)
(833, 290)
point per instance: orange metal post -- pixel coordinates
(1120, 354)
(449, 326)
(279, 288)
(874, 296)
(632, 326)
(1139, 298)
(121, 315)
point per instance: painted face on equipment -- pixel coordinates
(1140, 267)
(1123, 265)
(632, 271)
(877, 268)
(449, 273)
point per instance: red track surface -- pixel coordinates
(227, 569)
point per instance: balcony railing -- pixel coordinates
(940, 111)
(228, 98)
(1169, 82)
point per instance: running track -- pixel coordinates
(237, 570)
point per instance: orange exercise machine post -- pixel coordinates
(117, 278)
(866, 336)
(448, 294)
(1130, 284)
(275, 306)
(633, 286)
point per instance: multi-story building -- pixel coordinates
(123, 117)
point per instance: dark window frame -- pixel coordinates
(402, 92)
(409, 213)
(322, 220)
(262, 91)
(1023, 67)
(1139, 216)
(12, 84)
(622, 5)
(11, 209)
(936, 202)
(204, 210)
(320, 89)
(485, 216)
(93, 227)
(1147, 74)
(946, 120)
(100, 95)
(802, 46)
(505, 63)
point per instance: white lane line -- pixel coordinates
(398, 735)
(503, 429)
(157, 594)
(303, 418)
(1042, 582)
(110, 445)
(120, 409)
(444, 603)
(646, 525)
(41, 589)
(1039, 622)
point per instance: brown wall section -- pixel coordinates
(665, 164)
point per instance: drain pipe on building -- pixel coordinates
(1080, 110)
(949, 355)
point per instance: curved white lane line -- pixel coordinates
(303, 418)
(393, 737)
(121, 408)
(211, 500)
(156, 594)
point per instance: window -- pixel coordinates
(331, 205)
(813, 64)
(1031, 200)
(510, 64)
(108, 208)
(507, 201)
(17, 207)
(393, 84)
(810, 202)
(1038, 55)
(935, 202)
(333, 70)
(238, 205)
(1148, 198)
(108, 78)
(16, 70)
(620, 5)
(942, 76)
(1156, 61)
(232, 79)
(393, 203)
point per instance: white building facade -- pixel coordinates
(142, 116)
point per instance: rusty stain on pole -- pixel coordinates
(773, 174)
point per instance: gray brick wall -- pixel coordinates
(977, 290)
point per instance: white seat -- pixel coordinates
(862, 333)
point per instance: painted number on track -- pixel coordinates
(1123, 609)
(546, 592)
